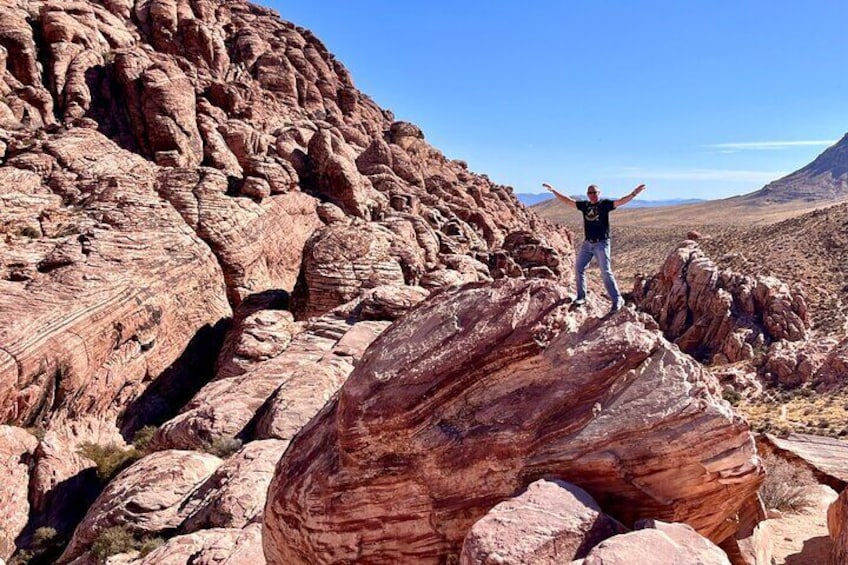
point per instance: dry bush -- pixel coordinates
(222, 447)
(785, 486)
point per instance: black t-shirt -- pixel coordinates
(596, 218)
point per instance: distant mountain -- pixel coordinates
(533, 199)
(825, 179)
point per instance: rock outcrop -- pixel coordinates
(271, 392)
(833, 371)
(719, 316)
(16, 450)
(470, 398)
(151, 496)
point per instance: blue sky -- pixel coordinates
(695, 99)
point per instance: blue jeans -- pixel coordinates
(601, 252)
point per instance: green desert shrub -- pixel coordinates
(118, 539)
(110, 459)
(143, 437)
(785, 485)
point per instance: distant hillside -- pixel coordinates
(537, 198)
(825, 179)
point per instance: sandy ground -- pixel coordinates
(802, 539)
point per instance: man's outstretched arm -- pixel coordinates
(570, 201)
(625, 199)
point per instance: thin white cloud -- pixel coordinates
(770, 145)
(724, 175)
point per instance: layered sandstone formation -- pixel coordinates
(467, 399)
(163, 163)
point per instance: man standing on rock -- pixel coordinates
(596, 243)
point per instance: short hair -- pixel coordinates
(591, 186)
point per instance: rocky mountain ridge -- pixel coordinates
(211, 236)
(824, 179)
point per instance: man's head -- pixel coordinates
(593, 192)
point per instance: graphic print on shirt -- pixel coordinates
(592, 213)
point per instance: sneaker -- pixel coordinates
(578, 301)
(617, 306)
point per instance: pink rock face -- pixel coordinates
(719, 316)
(149, 497)
(280, 393)
(16, 450)
(63, 484)
(551, 522)
(224, 546)
(111, 293)
(659, 543)
(343, 260)
(259, 243)
(837, 516)
(470, 398)
(234, 496)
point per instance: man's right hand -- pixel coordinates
(548, 187)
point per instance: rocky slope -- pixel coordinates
(207, 228)
(164, 162)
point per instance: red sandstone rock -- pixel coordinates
(259, 243)
(234, 496)
(224, 546)
(551, 522)
(16, 450)
(837, 516)
(151, 496)
(471, 397)
(712, 314)
(114, 290)
(658, 543)
(280, 394)
(834, 369)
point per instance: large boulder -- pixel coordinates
(472, 397)
(658, 542)
(551, 522)
(151, 496)
(234, 496)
